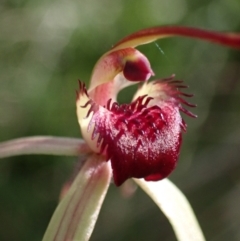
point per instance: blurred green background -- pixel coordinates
(45, 46)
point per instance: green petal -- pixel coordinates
(77, 213)
(44, 145)
(176, 208)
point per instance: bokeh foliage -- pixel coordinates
(45, 46)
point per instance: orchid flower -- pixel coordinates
(139, 140)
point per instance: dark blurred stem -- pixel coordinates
(46, 145)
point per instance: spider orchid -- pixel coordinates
(141, 139)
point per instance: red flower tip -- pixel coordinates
(138, 69)
(129, 61)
